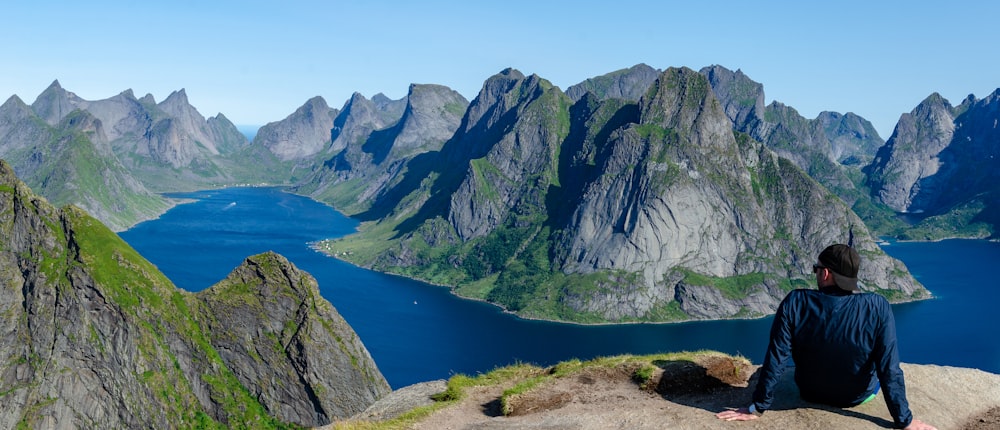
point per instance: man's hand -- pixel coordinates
(917, 425)
(741, 414)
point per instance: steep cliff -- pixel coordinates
(94, 336)
(911, 154)
(360, 117)
(941, 164)
(606, 210)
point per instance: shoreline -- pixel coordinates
(451, 290)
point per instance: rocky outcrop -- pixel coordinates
(615, 211)
(741, 97)
(95, 336)
(287, 344)
(626, 84)
(682, 393)
(853, 140)
(359, 118)
(678, 191)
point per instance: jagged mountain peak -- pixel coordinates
(381, 99)
(178, 96)
(86, 123)
(432, 114)
(54, 103)
(360, 117)
(679, 100)
(911, 154)
(500, 94)
(742, 98)
(356, 97)
(14, 102)
(534, 188)
(316, 102)
(511, 73)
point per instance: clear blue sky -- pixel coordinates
(257, 61)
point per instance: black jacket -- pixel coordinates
(840, 342)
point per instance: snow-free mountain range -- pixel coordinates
(639, 195)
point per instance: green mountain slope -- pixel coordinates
(93, 335)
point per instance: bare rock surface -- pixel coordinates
(947, 397)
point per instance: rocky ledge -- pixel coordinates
(678, 393)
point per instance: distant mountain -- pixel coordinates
(94, 336)
(71, 162)
(168, 146)
(302, 134)
(371, 157)
(610, 210)
(942, 164)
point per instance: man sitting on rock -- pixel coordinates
(843, 345)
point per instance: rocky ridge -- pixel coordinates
(72, 162)
(615, 210)
(96, 336)
(147, 135)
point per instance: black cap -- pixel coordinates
(844, 262)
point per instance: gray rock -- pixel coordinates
(375, 155)
(911, 154)
(402, 401)
(943, 160)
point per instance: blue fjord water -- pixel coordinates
(418, 332)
